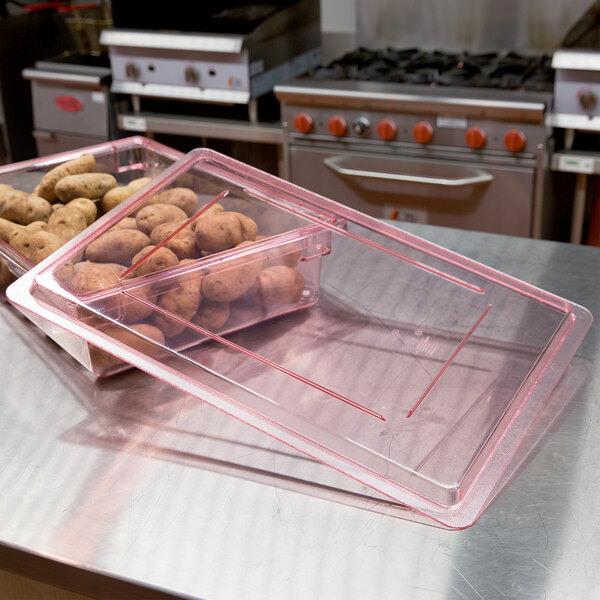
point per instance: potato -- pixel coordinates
(225, 283)
(65, 274)
(6, 228)
(280, 285)
(183, 301)
(286, 254)
(151, 216)
(86, 185)
(92, 279)
(86, 264)
(95, 279)
(117, 246)
(20, 240)
(118, 194)
(212, 315)
(163, 258)
(183, 245)
(5, 192)
(134, 311)
(82, 164)
(37, 226)
(86, 207)
(20, 207)
(42, 245)
(214, 209)
(182, 197)
(103, 360)
(224, 230)
(57, 205)
(125, 223)
(66, 223)
(6, 277)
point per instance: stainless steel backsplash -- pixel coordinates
(476, 25)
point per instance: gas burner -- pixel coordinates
(508, 71)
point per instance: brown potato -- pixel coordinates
(87, 208)
(214, 209)
(20, 240)
(20, 207)
(65, 274)
(163, 258)
(212, 315)
(153, 215)
(6, 277)
(287, 254)
(103, 360)
(225, 283)
(6, 228)
(117, 246)
(42, 245)
(182, 197)
(280, 285)
(66, 223)
(118, 194)
(82, 164)
(134, 311)
(224, 230)
(125, 223)
(37, 226)
(86, 185)
(5, 191)
(183, 301)
(183, 244)
(93, 279)
(86, 264)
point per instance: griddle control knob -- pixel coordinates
(588, 99)
(303, 122)
(337, 126)
(132, 70)
(475, 137)
(361, 126)
(191, 74)
(515, 140)
(386, 129)
(423, 132)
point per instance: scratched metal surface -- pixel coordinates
(131, 478)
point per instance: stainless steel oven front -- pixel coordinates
(457, 165)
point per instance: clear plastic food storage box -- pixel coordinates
(412, 369)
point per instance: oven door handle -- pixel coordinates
(478, 177)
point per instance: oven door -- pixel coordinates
(467, 195)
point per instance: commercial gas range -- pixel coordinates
(454, 139)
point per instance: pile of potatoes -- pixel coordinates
(61, 206)
(203, 296)
(169, 231)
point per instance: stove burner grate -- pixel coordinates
(510, 71)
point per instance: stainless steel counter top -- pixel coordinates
(122, 486)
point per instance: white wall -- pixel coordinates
(338, 16)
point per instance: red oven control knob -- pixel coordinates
(475, 137)
(386, 129)
(515, 140)
(337, 126)
(303, 122)
(423, 132)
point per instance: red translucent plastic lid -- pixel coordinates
(408, 367)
